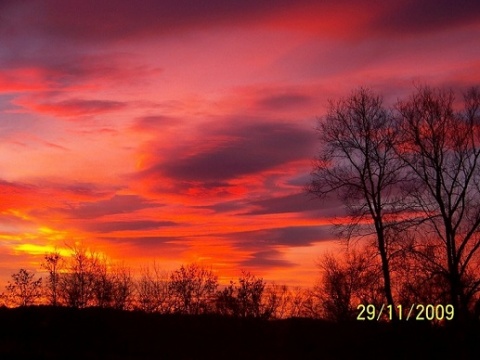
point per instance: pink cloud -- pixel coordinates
(21, 80)
(73, 107)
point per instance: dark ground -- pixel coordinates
(92, 333)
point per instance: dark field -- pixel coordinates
(92, 333)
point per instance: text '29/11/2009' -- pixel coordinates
(418, 312)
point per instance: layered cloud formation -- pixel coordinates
(183, 131)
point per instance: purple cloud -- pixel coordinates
(75, 107)
(150, 245)
(285, 101)
(118, 204)
(267, 259)
(139, 225)
(120, 19)
(284, 204)
(297, 203)
(97, 21)
(154, 123)
(414, 16)
(283, 236)
(252, 148)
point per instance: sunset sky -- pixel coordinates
(184, 131)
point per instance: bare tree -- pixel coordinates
(299, 301)
(347, 282)
(249, 295)
(52, 264)
(88, 279)
(23, 290)
(193, 289)
(283, 301)
(442, 149)
(153, 291)
(422, 283)
(250, 298)
(226, 302)
(77, 284)
(103, 284)
(357, 161)
(292, 303)
(123, 288)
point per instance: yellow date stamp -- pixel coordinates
(417, 312)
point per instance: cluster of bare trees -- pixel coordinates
(409, 177)
(248, 298)
(86, 279)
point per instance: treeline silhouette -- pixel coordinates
(86, 279)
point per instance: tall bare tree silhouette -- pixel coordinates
(357, 162)
(52, 264)
(24, 289)
(442, 149)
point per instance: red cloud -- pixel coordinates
(74, 107)
(20, 80)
